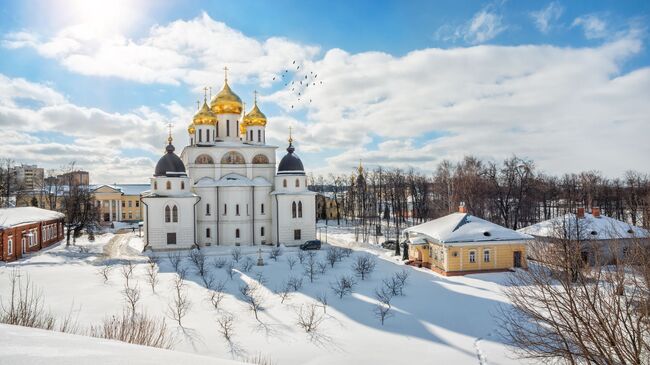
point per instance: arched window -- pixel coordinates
(260, 159)
(168, 185)
(168, 214)
(297, 183)
(251, 136)
(233, 157)
(299, 209)
(155, 185)
(293, 210)
(207, 232)
(262, 209)
(284, 183)
(207, 209)
(236, 209)
(203, 159)
(10, 246)
(200, 135)
(486, 256)
(237, 233)
(225, 209)
(259, 135)
(472, 256)
(217, 129)
(182, 185)
(175, 214)
(227, 128)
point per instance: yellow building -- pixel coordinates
(326, 206)
(459, 244)
(119, 203)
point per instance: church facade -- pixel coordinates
(224, 188)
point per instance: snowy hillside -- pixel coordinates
(439, 319)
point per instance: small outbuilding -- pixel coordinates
(460, 243)
(28, 229)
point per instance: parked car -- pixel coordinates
(389, 244)
(311, 245)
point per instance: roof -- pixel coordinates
(126, 189)
(291, 163)
(463, 228)
(170, 165)
(232, 180)
(588, 228)
(10, 217)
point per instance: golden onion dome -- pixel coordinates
(226, 101)
(255, 117)
(204, 116)
(191, 129)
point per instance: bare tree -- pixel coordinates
(275, 253)
(396, 283)
(247, 264)
(322, 267)
(180, 305)
(226, 327)
(197, 257)
(251, 294)
(175, 259)
(105, 272)
(301, 256)
(364, 265)
(139, 329)
(236, 254)
(310, 266)
(230, 269)
(333, 256)
(25, 306)
(383, 307)
(216, 293)
(131, 297)
(308, 318)
(291, 261)
(343, 285)
(219, 262)
(322, 300)
(127, 272)
(152, 274)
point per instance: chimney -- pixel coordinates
(581, 213)
(461, 208)
(595, 212)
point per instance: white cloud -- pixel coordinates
(594, 26)
(545, 17)
(485, 25)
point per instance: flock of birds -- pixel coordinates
(297, 82)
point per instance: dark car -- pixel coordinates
(311, 245)
(389, 244)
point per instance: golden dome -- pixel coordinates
(226, 101)
(191, 129)
(255, 116)
(205, 115)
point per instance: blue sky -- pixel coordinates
(408, 83)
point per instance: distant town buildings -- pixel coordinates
(27, 177)
(119, 202)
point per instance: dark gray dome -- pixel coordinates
(290, 163)
(170, 165)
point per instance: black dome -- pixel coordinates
(170, 164)
(290, 163)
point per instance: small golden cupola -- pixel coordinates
(204, 116)
(254, 125)
(226, 101)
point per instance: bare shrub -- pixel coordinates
(208, 279)
(259, 359)
(259, 277)
(383, 307)
(105, 272)
(332, 256)
(139, 329)
(321, 267)
(345, 251)
(216, 293)
(310, 267)
(292, 284)
(247, 265)
(25, 306)
(197, 257)
(236, 254)
(230, 269)
(402, 278)
(180, 305)
(131, 297)
(364, 266)
(322, 300)
(175, 259)
(152, 275)
(275, 253)
(219, 262)
(309, 319)
(343, 285)
(251, 294)
(291, 261)
(301, 257)
(127, 272)
(226, 326)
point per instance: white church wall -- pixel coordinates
(156, 228)
(286, 224)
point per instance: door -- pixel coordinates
(517, 258)
(24, 243)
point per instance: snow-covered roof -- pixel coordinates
(232, 180)
(588, 228)
(10, 217)
(126, 189)
(465, 228)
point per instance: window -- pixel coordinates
(168, 185)
(237, 209)
(168, 214)
(207, 232)
(262, 231)
(237, 129)
(250, 136)
(299, 209)
(262, 209)
(284, 183)
(123, 215)
(130, 204)
(297, 183)
(227, 128)
(217, 129)
(207, 209)
(155, 185)
(182, 185)
(472, 256)
(296, 234)
(123, 204)
(260, 159)
(130, 215)
(175, 214)
(171, 238)
(233, 157)
(10, 246)
(225, 209)
(203, 160)
(486, 256)
(237, 233)
(259, 135)
(200, 135)
(137, 203)
(293, 210)
(214, 135)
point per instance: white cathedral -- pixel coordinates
(224, 189)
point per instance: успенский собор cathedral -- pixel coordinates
(230, 193)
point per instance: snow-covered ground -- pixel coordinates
(439, 320)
